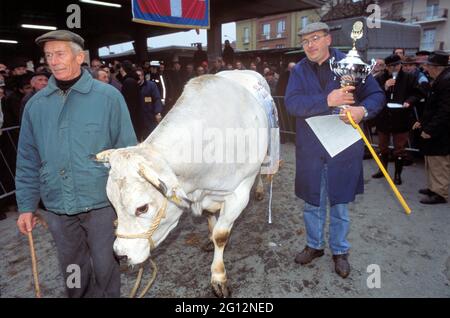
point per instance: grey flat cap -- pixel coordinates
(313, 27)
(60, 35)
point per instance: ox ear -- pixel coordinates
(103, 156)
(167, 184)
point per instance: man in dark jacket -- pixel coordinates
(313, 90)
(132, 95)
(435, 130)
(150, 103)
(401, 92)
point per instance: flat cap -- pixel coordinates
(60, 35)
(313, 27)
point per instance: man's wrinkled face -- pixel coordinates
(63, 62)
(39, 82)
(316, 46)
(95, 64)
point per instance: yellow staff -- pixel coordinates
(374, 155)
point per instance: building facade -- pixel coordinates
(272, 32)
(431, 15)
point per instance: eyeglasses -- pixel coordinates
(313, 40)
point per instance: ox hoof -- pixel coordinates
(208, 246)
(259, 196)
(221, 290)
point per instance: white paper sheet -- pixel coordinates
(394, 105)
(333, 133)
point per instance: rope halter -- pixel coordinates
(148, 235)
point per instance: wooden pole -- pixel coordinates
(34, 265)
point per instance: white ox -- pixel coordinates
(150, 186)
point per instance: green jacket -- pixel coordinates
(59, 134)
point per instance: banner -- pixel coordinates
(172, 13)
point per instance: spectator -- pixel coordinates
(95, 64)
(54, 162)
(38, 81)
(228, 53)
(218, 66)
(435, 130)
(189, 72)
(400, 52)
(100, 75)
(131, 93)
(283, 80)
(199, 56)
(200, 71)
(111, 80)
(400, 88)
(239, 66)
(150, 103)
(270, 78)
(379, 67)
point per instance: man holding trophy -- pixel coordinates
(329, 82)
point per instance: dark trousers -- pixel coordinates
(85, 242)
(400, 141)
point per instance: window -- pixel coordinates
(280, 46)
(428, 39)
(303, 22)
(266, 31)
(281, 28)
(432, 9)
(397, 9)
(246, 35)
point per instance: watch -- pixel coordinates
(366, 113)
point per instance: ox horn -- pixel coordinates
(149, 175)
(174, 194)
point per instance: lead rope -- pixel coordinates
(147, 235)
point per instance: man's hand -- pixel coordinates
(357, 113)
(26, 222)
(416, 125)
(341, 96)
(158, 117)
(424, 135)
(406, 105)
(389, 83)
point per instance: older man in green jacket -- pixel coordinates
(63, 126)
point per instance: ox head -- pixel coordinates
(139, 186)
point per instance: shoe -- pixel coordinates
(426, 191)
(307, 255)
(341, 265)
(433, 199)
(398, 171)
(385, 161)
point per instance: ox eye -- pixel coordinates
(142, 209)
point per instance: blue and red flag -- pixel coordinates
(172, 13)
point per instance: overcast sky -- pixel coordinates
(179, 38)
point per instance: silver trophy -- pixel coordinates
(352, 70)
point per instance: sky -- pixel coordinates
(180, 38)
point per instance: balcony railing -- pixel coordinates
(272, 36)
(427, 16)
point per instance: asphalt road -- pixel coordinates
(412, 252)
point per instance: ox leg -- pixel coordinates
(208, 246)
(259, 190)
(231, 209)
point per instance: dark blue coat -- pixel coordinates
(151, 104)
(305, 98)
